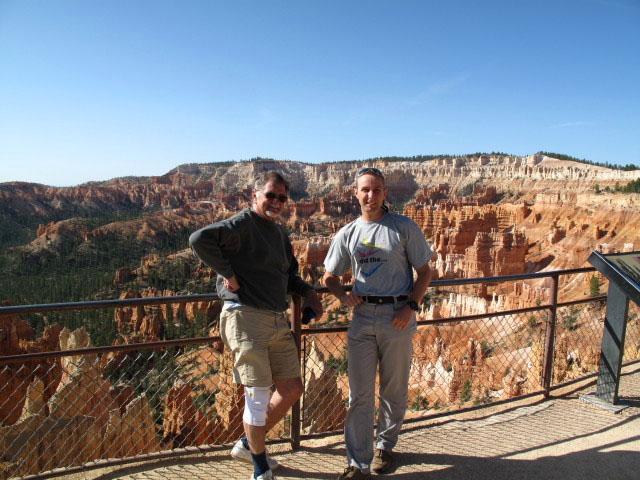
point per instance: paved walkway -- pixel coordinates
(560, 438)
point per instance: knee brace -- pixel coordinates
(256, 402)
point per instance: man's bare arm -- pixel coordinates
(333, 284)
(403, 316)
(425, 274)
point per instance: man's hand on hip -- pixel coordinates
(402, 318)
(350, 300)
(231, 284)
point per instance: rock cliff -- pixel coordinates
(229, 183)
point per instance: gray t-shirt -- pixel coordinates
(380, 253)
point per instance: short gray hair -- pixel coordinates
(266, 177)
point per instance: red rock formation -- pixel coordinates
(229, 183)
(185, 424)
(82, 390)
(145, 322)
(229, 401)
(51, 236)
(121, 394)
(495, 254)
(122, 275)
(80, 422)
(324, 408)
(17, 338)
(129, 433)
(556, 234)
(433, 195)
(41, 443)
(13, 332)
(466, 220)
(142, 322)
(513, 385)
(310, 254)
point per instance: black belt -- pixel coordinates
(378, 299)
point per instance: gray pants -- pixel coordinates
(373, 342)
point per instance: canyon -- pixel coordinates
(490, 215)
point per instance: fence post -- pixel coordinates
(549, 340)
(296, 327)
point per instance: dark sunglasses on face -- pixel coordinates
(375, 171)
(272, 196)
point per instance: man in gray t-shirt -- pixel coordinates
(382, 249)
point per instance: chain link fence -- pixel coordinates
(67, 411)
(632, 342)
(76, 410)
(455, 364)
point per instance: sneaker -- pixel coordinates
(268, 475)
(244, 455)
(382, 461)
(353, 473)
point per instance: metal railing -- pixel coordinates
(72, 410)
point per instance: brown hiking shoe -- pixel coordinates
(353, 473)
(382, 461)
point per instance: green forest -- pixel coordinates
(632, 187)
(613, 166)
(78, 270)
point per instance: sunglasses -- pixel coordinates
(272, 196)
(375, 171)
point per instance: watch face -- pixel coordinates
(413, 305)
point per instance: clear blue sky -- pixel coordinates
(91, 90)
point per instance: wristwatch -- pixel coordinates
(413, 306)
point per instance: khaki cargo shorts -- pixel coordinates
(261, 343)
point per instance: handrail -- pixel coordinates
(198, 297)
(130, 347)
(96, 304)
(296, 327)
